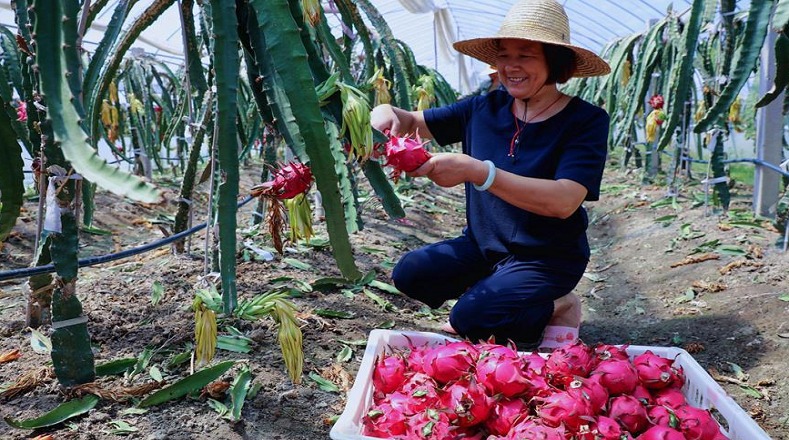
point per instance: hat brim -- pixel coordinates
(486, 50)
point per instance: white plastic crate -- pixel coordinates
(700, 389)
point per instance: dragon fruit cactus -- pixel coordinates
(289, 181)
(617, 376)
(405, 154)
(629, 412)
(446, 363)
(657, 372)
(502, 375)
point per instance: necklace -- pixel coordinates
(518, 128)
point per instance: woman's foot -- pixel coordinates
(562, 329)
(567, 311)
(447, 327)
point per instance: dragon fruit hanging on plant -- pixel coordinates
(290, 183)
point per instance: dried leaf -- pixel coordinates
(10, 356)
(694, 259)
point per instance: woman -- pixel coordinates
(531, 156)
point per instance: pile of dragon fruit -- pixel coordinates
(486, 391)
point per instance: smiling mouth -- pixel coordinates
(517, 79)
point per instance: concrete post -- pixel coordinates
(769, 134)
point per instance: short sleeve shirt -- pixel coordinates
(569, 145)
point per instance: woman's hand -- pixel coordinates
(450, 169)
(399, 122)
(383, 118)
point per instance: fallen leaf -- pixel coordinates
(694, 259)
(10, 356)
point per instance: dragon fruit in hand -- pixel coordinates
(405, 154)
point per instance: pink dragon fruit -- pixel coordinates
(289, 181)
(449, 362)
(490, 347)
(383, 421)
(21, 111)
(604, 352)
(502, 375)
(416, 382)
(655, 372)
(697, 423)
(563, 408)
(389, 373)
(629, 412)
(607, 428)
(531, 429)
(405, 154)
(617, 376)
(413, 402)
(569, 361)
(662, 416)
(430, 424)
(661, 433)
(670, 397)
(534, 362)
(467, 403)
(641, 393)
(505, 414)
(591, 390)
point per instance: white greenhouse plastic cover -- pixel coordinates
(429, 27)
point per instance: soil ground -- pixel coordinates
(730, 312)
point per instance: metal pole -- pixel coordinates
(769, 136)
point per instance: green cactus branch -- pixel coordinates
(66, 122)
(289, 58)
(142, 22)
(744, 61)
(226, 65)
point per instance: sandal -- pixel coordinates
(557, 336)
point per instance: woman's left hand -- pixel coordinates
(450, 169)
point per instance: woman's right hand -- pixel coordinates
(383, 118)
(399, 122)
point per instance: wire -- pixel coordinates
(91, 261)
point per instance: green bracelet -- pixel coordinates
(489, 180)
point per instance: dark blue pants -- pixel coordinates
(511, 298)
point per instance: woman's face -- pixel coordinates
(522, 67)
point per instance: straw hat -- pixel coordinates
(537, 20)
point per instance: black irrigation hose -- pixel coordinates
(90, 261)
(760, 162)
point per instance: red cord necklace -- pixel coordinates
(518, 128)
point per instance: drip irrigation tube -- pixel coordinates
(759, 162)
(90, 261)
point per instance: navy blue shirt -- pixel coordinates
(569, 145)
